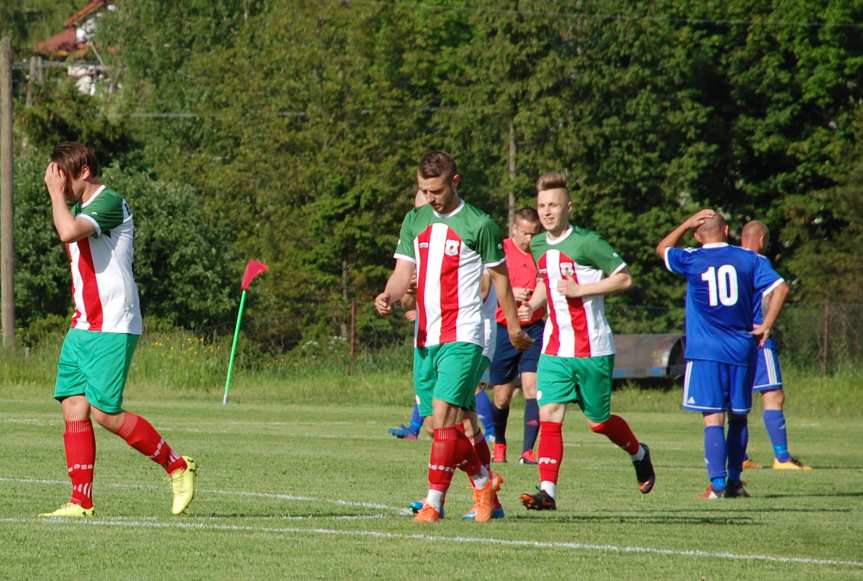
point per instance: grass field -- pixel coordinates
(317, 492)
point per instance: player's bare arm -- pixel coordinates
(398, 284)
(774, 307)
(537, 301)
(500, 278)
(68, 227)
(676, 235)
(617, 282)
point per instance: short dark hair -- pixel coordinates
(73, 157)
(528, 215)
(553, 180)
(437, 163)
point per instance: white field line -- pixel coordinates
(586, 547)
(242, 493)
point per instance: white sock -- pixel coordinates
(550, 488)
(480, 481)
(435, 499)
(638, 455)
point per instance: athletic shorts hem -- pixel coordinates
(768, 387)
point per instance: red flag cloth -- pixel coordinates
(253, 269)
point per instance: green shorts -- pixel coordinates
(95, 365)
(583, 380)
(484, 364)
(447, 372)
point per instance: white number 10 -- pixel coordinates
(724, 281)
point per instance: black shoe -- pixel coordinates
(539, 501)
(644, 471)
(736, 489)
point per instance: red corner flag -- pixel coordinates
(254, 268)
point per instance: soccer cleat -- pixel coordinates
(736, 489)
(485, 499)
(792, 464)
(183, 485)
(751, 465)
(497, 511)
(644, 471)
(417, 506)
(711, 494)
(527, 457)
(539, 501)
(403, 432)
(427, 514)
(499, 453)
(71, 510)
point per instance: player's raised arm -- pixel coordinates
(69, 228)
(676, 235)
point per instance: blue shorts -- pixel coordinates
(509, 361)
(768, 375)
(711, 386)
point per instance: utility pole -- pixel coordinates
(7, 244)
(510, 197)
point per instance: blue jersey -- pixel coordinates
(724, 283)
(759, 306)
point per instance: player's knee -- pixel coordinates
(738, 419)
(598, 427)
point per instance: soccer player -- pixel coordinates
(98, 233)
(577, 269)
(768, 375)
(722, 337)
(446, 244)
(509, 361)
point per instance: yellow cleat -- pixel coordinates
(70, 510)
(792, 464)
(184, 484)
(751, 465)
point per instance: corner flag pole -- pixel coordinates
(254, 268)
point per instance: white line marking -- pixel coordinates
(621, 549)
(244, 493)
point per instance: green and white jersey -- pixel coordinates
(449, 252)
(103, 286)
(576, 327)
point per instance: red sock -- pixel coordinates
(466, 456)
(80, 443)
(617, 430)
(482, 451)
(550, 450)
(142, 436)
(442, 458)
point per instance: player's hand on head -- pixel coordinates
(55, 179)
(700, 217)
(382, 304)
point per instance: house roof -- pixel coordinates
(66, 43)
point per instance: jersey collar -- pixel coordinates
(563, 236)
(93, 197)
(715, 245)
(453, 213)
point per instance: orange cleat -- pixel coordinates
(427, 514)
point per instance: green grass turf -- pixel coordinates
(315, 492)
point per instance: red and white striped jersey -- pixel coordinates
(103, 286)
(576, 327)
(449, 252)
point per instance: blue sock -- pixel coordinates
(715, 456)
(736, 441)
(531, 424)
(483, 410)
(416, 419)
(774, 421)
